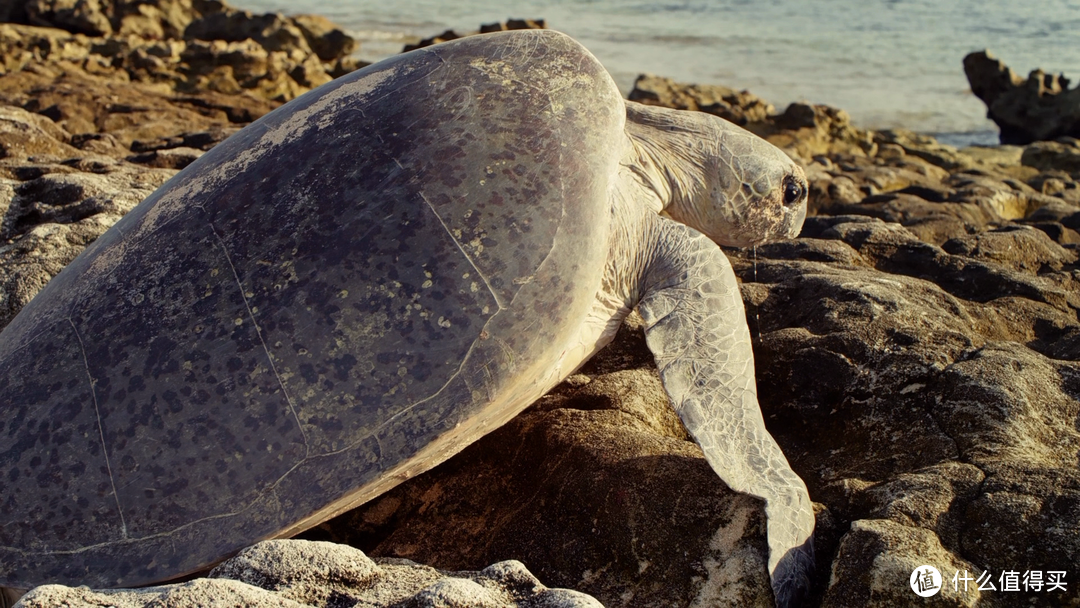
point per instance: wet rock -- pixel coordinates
(1040, 107)
(296, 573)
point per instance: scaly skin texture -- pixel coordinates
(729, 187)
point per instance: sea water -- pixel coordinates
(889, 63)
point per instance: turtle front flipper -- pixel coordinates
(696, 330)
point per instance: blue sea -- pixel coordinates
(889, 63)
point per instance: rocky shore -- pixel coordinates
(917, 347)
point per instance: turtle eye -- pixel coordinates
(793, 191)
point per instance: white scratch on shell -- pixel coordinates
(101, 427)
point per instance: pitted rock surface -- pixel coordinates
(298, 573)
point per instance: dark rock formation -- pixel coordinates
(1039, 108)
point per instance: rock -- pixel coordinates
(167, 158)
(57, 211)
(513, 24)
(876, 558)
(271, 31)
(448, 35)
(82, 103)
(926, 148)
(1039, 108)
(1060, 155)
(23, 134)
(931, 384)
(324, 37)
(296, 573)
(597, 487)
(740, 108)
(803, 130)
(78, 16)
(225, 50)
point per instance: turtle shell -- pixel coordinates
(341, 295)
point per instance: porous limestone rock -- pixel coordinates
(299, 573)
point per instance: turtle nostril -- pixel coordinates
(793, 191)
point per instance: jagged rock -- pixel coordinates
(324, 37)
(298, 573)
(271, 31)
(25, 45)
(1039, 108)
(803, 130)
(739, 107)
(807, 130)
(935, 390)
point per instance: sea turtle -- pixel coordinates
(358, 285)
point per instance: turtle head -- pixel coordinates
(755, 192)
(716, 177)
